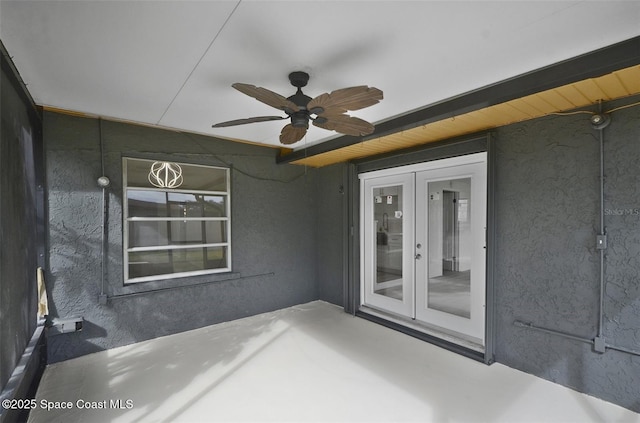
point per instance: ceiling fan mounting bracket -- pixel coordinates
(299, 79)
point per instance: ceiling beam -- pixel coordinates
(590, 65)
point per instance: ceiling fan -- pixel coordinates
(326, 111)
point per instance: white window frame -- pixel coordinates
(126, 220)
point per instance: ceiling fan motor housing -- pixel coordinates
(300, 119)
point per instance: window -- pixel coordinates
(176, 220)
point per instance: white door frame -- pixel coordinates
(407, 174)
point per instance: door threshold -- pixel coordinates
(434, 336)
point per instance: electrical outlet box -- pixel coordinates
(71, 324)
(599, 345)
(601, 242)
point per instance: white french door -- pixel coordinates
(388, 243)
(423, 243)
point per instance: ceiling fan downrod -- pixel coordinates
(300, 119)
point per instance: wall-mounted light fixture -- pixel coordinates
(103, 182)
(165, 175)
(599, 120)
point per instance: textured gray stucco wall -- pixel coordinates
(18, 252)
(547, 264)
(273, 236)
(331, 197)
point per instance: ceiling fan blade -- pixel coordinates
(344, 99)
(344, 124)
(291, 134)
(267, 97)
(248, 120)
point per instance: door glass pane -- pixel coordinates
(449, 231)
(387, 218)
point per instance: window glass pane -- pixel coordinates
(197, 205)
(147, 203)
(387, 212)
(215, 232)
(143, 203)
(189, 177)
(153, 263)
(156, 233)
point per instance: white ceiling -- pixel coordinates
(172, 63)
